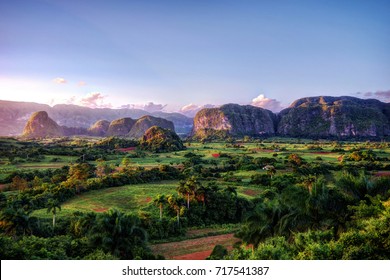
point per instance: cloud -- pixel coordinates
(383, 95)
(81, 83)
(267, 103)
(152, 107)
(59, 80)
(91, 100)
(149, 107)
(190, 110)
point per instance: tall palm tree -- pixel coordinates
(160, 201)
(189, 188)
(175, 203)
(52, 206)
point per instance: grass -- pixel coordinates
(129, 199)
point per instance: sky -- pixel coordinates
(184, 55)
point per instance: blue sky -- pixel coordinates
(175, 53)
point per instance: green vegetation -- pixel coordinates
(111, 198)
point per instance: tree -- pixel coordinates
(119, 234)
(160, 201)
(102, 168)
(175, 203)
(126, 163)
(189, 188)
(271, 170)
(80, 171)
(308, 182)
(52, 206)
(19, 183)
(231, 190)
(15, 220)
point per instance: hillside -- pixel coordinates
(120, 127)
(40, 125)
(158, 139)
(146, 122)
(312, 117)
(234, 120)
(341, 117)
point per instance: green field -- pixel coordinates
(129, 199)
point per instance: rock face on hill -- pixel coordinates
(234, 120)
(40, 125)
(146, 122)
(99, 128)
(120, 127)
(340, 117)
(159, 139)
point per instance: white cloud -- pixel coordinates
(149, 107)
(267, 103)
(190, 110)
(152, 107)
(59, 80)
(91, 100)
(81, 83)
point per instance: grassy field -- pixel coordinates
(129, 199)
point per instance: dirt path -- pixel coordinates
(194, 249)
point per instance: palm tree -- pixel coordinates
(119, 234)
(189, 188)
(52, 206)
(81, 223)
(271, 170)
(15, 220)
(175, 203)
(356, 187)
(308, 182)
(160, 201)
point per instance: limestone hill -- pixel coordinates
(40, 125)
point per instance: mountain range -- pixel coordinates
(312, 117)
(14, 115)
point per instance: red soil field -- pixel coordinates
(126, 149)
(100, 210)
(251, 192)
(194, 249)
(382, 174)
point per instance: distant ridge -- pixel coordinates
(14, 115)
(40, 125)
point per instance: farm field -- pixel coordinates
(273, 193)
(194, 249)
